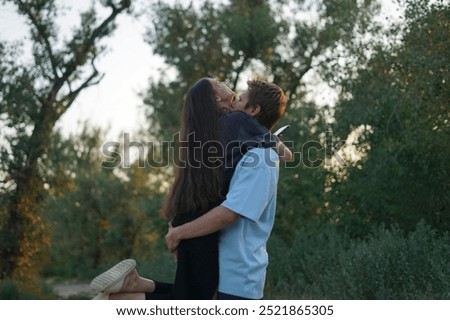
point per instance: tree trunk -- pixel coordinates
(25, 232)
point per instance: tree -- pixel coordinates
(228, 41)
(204, 42)
(113, 208)
(32, 98)
(401, 99)
(239, 39)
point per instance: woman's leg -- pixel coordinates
(143, 288)
(134, 283)
(197, 274)
(161, 291)
(136, 287)
(133, 288)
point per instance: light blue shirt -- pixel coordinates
(252, 194)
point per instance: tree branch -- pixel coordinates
(41, 31)
(299, 76)
(87, 45)
(70, 98)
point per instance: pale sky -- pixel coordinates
(114, 103)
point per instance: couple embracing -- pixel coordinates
(222, 202)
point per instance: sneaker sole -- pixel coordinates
(112, 276)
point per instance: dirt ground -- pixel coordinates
(73, 290)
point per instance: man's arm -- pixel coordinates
(212, 221)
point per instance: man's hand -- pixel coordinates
(212, 221)
(172, 239)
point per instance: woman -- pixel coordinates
(197, 188)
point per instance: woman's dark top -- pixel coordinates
(241, 132)
(197, 274)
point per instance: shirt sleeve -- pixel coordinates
(253, 184)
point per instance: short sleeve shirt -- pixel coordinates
(243, 257)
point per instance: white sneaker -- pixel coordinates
(111, 281)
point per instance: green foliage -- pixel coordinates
(159, 264)
(228, 41)
(14, 290)
(251, 28)
(163, 115)
(103, 215)
(189, 40)
(388, 264)
(403, 97)
(231, 41)
(392, 266)
(300, 198)
(203, 42)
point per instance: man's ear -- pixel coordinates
(255, 110)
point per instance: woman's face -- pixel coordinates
(240, 104)
(224, 95)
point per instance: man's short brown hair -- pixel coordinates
(270, 98)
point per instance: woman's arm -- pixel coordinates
(283, 151)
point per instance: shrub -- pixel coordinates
(388, 264)
(15, 290)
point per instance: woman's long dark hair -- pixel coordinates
(198, 180)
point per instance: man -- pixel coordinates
(246, 217)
